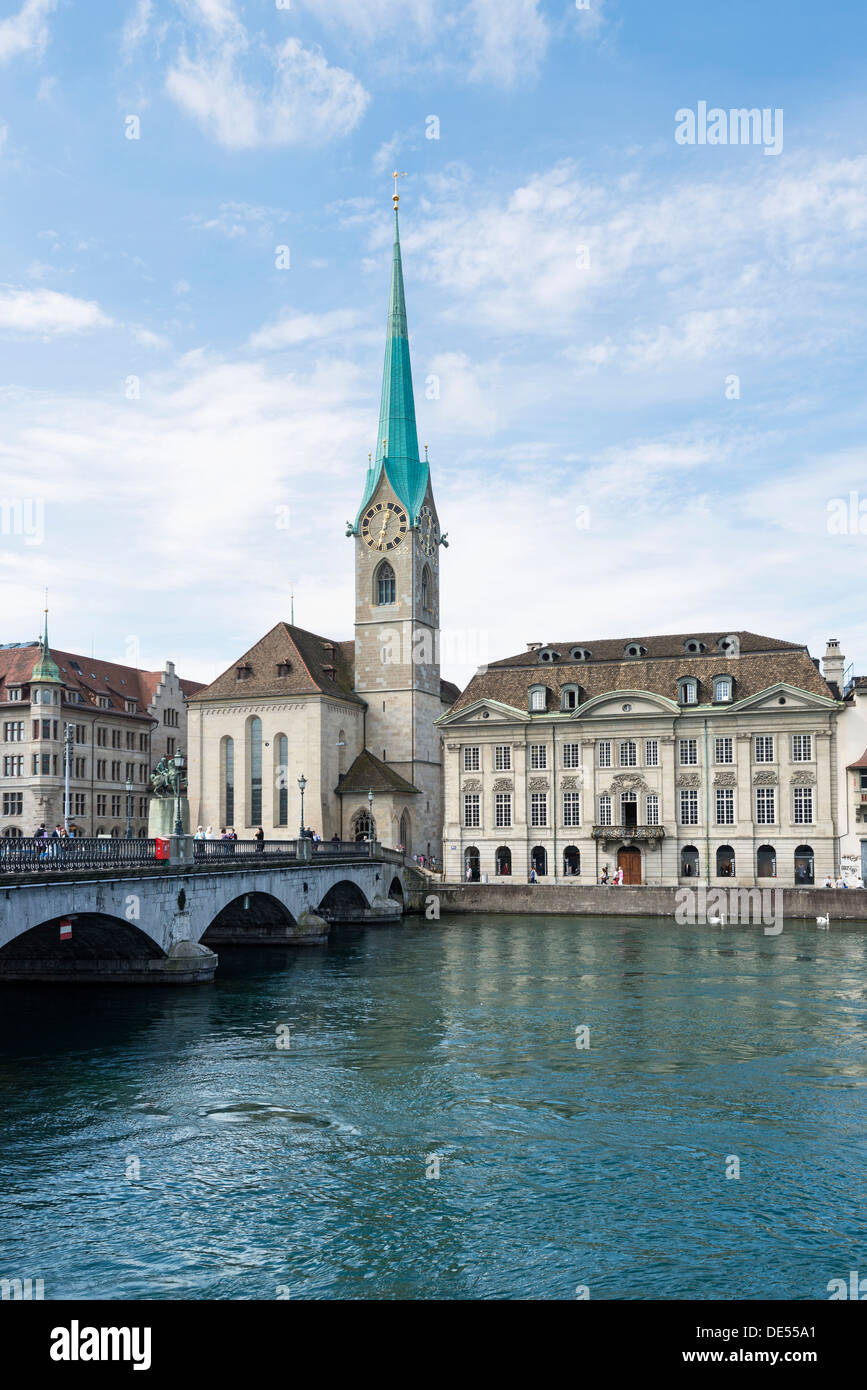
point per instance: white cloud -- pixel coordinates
(136, 26)
(26, 31)
(291, 329)
(308, 101)
(234, 220)
(48, 313)
(511, 39)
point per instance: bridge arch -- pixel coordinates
(395, 890)
(94, 937)
(254, 916)
(344, 902)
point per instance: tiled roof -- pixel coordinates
(449, 692)
(862, 762)
(763, 662)
(315, 664)
(89, 675)
(369, 773)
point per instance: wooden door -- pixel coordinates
(629, 860)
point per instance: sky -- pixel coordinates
(638, 357)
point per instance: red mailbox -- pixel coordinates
(161, 849)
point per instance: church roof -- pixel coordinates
(369, 773)
(288, 660)
(397, 441)
(762, 662)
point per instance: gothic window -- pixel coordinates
(426, 599)
(386, 589)
(228, 761)
(281, 754)
(255, 772)
(363, 828)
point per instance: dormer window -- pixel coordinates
(283, 668)
(579, 654)
(687, 691)
(729, 646)
(102, 701)
(130, 706)
(693, 647)
(569, 696)
(547, 654)
(635, 649)
(538, 698)
(244, 672)
(723, 689)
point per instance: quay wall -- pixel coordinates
(841, 904)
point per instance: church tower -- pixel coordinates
(398, 543)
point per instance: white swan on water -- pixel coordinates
(823, 923)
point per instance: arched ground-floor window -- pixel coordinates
(539, 860)
(804, 865)
(766, 862)
(689, 862)
(13, 832)
(503, 861)
(571, 861)
(472, 864)
(725, 862)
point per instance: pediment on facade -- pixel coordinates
(781, 697)
(483, 712)
(612, 703)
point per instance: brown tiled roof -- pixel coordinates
(862, 762)
(369, 773)
(88, 675)
(316, 665)
(449, 692)
(763, 662)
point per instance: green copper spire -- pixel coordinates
(397, 443)
(46, 668)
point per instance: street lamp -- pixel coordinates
(178, 763)
(302, 783)
(129, 808)
(370, 814)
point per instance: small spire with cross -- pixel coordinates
(398, 174)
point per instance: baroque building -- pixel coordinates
(708, 757)
(350, 717)
(123, 721)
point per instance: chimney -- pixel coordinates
(535, 646)
(832, 666)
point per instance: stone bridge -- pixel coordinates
(157, 922)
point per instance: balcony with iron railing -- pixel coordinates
(647, 833)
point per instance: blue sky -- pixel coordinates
(581, 288)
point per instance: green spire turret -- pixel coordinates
(397, 442)
(46, 668)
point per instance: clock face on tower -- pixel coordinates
(384, 526)
(428, 532)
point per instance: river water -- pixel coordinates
(158, 1143)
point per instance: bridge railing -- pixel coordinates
(207, 850)
(341, 849)
(28, 855)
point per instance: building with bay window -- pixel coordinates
(709, 757)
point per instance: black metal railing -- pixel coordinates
(341, 849)
(206, 850)
(35, 855)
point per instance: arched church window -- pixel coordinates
(386, 589)
(255, 802)
(425, 590)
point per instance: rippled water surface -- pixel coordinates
(303, 1168)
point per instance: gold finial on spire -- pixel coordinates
(398, 174)
(369, 459)
(425, 454)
